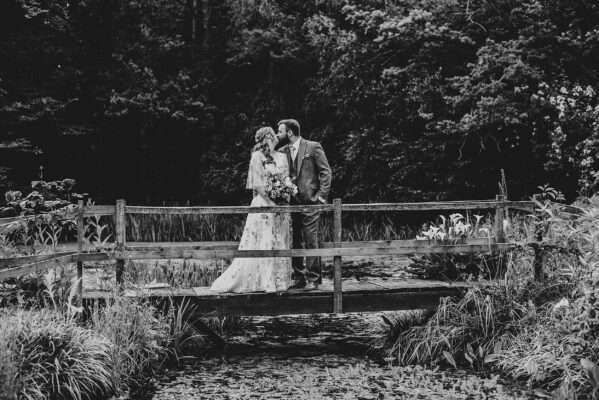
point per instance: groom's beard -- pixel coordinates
(283, 142)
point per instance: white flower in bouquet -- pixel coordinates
(279, 187)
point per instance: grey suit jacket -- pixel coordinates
(313, 175)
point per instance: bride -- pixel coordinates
(262, 231)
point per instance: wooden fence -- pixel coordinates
(13, 267)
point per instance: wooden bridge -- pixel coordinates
(333, 296)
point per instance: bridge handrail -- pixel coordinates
(109, 210)
(18, 266)
(337, 248)
(105, 210)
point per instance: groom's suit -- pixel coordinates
(311, 172)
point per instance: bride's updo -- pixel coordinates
(262, 136)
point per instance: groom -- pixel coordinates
(310, 171)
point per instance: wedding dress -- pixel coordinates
(262, 231)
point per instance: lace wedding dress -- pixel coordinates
(262, 231)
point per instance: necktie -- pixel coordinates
(293, 150)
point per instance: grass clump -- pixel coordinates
(45, 355)
(138, 338)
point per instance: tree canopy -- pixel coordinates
(157, 101)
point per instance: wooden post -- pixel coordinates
(539, 251)
(80, 236)
(120, 238)
(337, 285)
(500, 234)
(499, 216)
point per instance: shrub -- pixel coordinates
(462, 331)
(45, 355)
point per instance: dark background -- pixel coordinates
(156, 101)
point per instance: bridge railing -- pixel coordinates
(337, 248)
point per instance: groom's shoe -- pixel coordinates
(298, 285)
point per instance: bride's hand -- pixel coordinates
(264, 196)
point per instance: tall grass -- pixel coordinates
(543, 332)
(176, 273)
(357, 226)
(138, 337)
(47, 355)
(185, 340)
(184, 227)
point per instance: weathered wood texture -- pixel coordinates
(80, 237)
(233, 245)
(337, 283)
(360, 296)
(12, 262)
(499, 217)
(120, 231)
(110, 210)
(226, 209)
(439, 205)
(425, 248)
(37, 267)
(24, 264)
(99, 211)
(423, 206)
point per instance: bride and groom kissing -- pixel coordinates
(287, 154)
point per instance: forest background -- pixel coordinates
(156, 101)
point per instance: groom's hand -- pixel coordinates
(318, 200)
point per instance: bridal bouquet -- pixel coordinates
(280, 188)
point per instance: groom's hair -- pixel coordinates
(292, 125)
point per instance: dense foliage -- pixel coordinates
(156, 100)
(542, 330)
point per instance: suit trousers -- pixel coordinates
(305, 226)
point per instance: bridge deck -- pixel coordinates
(372, 294)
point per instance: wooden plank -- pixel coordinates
(348, 244)
(105, 210)
(337, 283)
(99, 210)
(10, 220)
(37, 267)
(95, 255)
(399, 243)
(24, 260)
(226, 209)
(331, 252)
(499, 216)
(438, 205)
(120, 231)
(310, 302)
(204, 245)
(80, 237)
(181, 252)
(415, 206)
(233, 245)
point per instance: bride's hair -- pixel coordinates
(262, 135)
